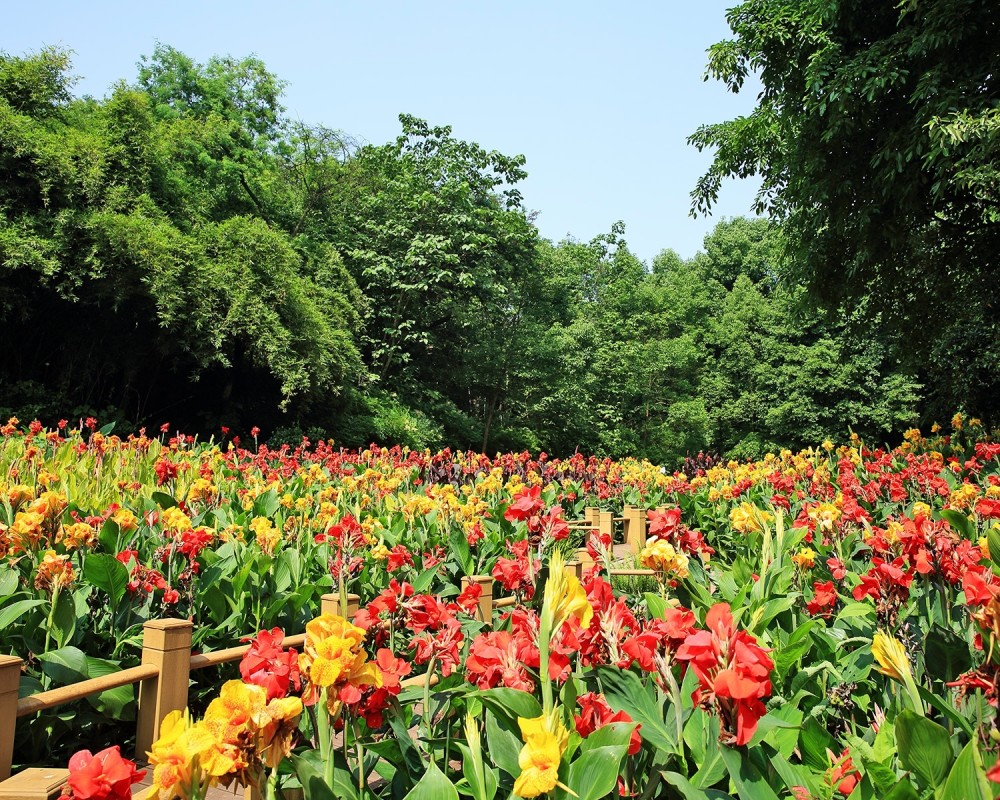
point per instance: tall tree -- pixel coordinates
(877, 138)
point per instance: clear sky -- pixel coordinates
(599, 97)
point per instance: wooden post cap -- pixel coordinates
(34, 784)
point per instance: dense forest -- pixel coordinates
(182, 251)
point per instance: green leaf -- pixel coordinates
(961, 523)
(434, 785)
(119, 702)
(163, 500)
(924, 748)
(946, 654)
(902, 791)
(267, 504)
(13, 612)
(796, 645)
(503, 743)
(64, 618)
(481, 789)
(656, 605)
(967, 779)
(624, 691)
(460, 549)
(65, 665)
(107, 573)
(750, 784)
(8, 582)
(595, 773)
(423, 581)
(311, 774)
(512, 702)
(814, 742)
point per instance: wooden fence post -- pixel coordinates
(592, 514)
(10, 678)
(583, 559)
(575, 568)
(485, 582)
(635, 528)
(330, 604)
(606, 524)
(167, 644)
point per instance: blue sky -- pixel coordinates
(600, 99)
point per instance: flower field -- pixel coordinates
(820, 624)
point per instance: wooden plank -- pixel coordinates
(78, 691)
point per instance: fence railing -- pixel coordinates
(163, 675)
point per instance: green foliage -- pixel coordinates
(876, 138)
(220, 257)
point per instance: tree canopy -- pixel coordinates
(876, 138)
(181, 251)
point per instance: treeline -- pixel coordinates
(182, 251)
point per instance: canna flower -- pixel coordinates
(175, 758)
(125, 519)
(175, 520)
(333, 660)
(105, 776)
(54, 573)
(805, 558)
(747, 518)
(564, 597)
(545, 739)
(890, 655)
(266, 664)
(661, 555)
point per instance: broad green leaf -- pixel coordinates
(961, 523)
(625, 692)
(13, 612)
(107, 573)
(8, 582)
(163, 500)
(750, 784)
(118, 703)
(504, 745)
(967, 779)
(924, 748)
(65, 665)
(434, 785)
(512, 702)
(595, 773)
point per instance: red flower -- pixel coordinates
(824, 599)
(978, 586)
(663, 523)
(988, 509)
(105, 776)
(496, 659)
(526, 503)
(733, 670)
(842, 776)
(267, 665)
(399, 556)
(596, 713)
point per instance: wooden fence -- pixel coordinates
(167, 662)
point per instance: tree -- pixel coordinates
(877, 138)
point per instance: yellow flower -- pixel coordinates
(380, 552)
(825, 515)
(747, 518)
(564, 597)
(175, 520)
(921, 509)
(660, 555)
(956, 422)
(828, 445)
(890, 655)
(54, 572)
(125, 520)
(984, 546)
(545, 739)
(237, 710)
(805, 558)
